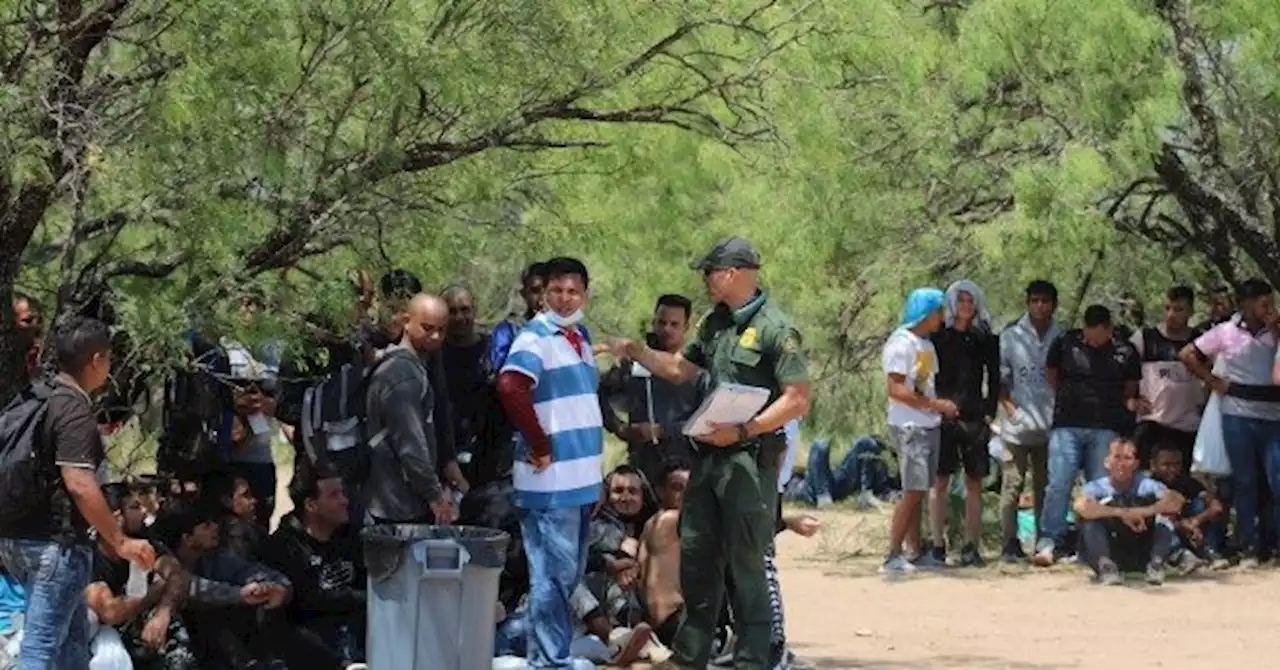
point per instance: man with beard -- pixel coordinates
(144, 606)
(656, 408)
(483, 457)
(404, 485)
(732, 494)
(613, 563)
(1221, 306)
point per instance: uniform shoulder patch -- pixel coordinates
(791, 343)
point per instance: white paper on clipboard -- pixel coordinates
(729, 403)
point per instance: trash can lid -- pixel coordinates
(384, 545)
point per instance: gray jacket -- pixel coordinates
(1022, 371)
(402, 470)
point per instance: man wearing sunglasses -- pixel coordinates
(252, 385)
(730, 512)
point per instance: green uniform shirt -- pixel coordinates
(754, 345)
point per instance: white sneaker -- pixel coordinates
(867, 500)
(896, 564)
(825, 501)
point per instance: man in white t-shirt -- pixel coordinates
(914, 418)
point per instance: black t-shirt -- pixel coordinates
(113, 572)
(1189, 488)
(467, 380)
(71, 433)
(968, 370)
(1091, 381)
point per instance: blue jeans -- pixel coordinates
(555, 545)
(1253, 446)
(56, 633)
(1211, 532)
(861, 469)
(512, 636)
(1070, 451)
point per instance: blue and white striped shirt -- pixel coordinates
(565, 400)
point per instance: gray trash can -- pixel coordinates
(432, 592)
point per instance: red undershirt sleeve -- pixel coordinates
(515, 391)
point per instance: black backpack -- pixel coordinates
(333, 425)
(195, 404)
(26, 466)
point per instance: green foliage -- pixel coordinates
(866, 147)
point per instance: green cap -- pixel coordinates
(729, 252)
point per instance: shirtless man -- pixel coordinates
(660, 556)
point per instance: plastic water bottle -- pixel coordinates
(136, 587)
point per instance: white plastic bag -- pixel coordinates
(109, 652)
(1210, 454)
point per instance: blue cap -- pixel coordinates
(920, 304)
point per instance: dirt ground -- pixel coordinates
(841, 614)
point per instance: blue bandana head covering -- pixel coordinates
(920, 304)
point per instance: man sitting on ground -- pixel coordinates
(1122, 515)
(660, 556)
(863, 471)
(144, 606)
(325, 566)
(227, 590)
(1200, 513)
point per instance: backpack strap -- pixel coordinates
(308, 426)
(378, 437)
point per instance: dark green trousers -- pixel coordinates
(726, 524)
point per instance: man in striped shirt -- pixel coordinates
(548, 386)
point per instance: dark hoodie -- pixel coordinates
(240, 537)
(328, 578)
(609, 529)
(969, 370)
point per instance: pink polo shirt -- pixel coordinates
(1247, 359)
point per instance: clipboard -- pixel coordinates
(729, 403)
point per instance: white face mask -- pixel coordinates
(565, 321)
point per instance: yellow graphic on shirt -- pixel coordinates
(748, 339)
(922, 370)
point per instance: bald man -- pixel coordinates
(403, 484)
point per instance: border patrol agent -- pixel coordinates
(730, 503)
